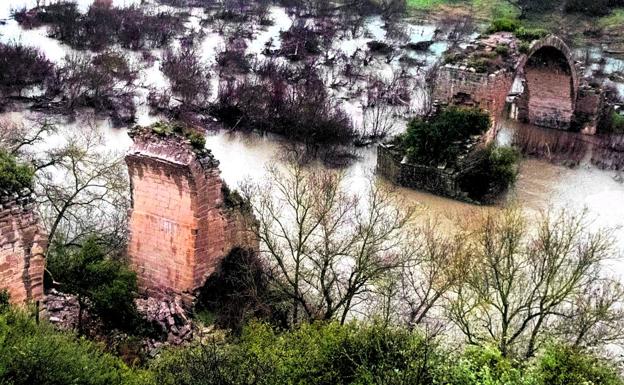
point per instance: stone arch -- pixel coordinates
(551, 84)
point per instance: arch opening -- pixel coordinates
(549, 94)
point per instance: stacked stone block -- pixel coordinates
(180, 227)
(22, 248)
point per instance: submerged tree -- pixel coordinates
(326, 247)
(22, 67)
(189, 76)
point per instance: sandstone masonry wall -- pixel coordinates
(461, 86)
(458, 85)
(22, 248)
(180, 225)
(550, 98)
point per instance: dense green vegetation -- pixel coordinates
(495, 169)
(614, 123)
(104, 285)
(441, 138)
(311, 354)
(324, 354)
(33, 353)
(481, 8)
(14, 175)
(505, 24)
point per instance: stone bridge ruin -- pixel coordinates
(22, 248)
(552, 93)
(183, 218)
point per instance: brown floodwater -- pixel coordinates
(541, 185)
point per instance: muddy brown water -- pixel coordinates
(244, 156)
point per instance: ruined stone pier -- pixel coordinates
(22, 248)
(183, 221)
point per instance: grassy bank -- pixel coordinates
(576, 27)
(483, 9)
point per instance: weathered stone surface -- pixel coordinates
(462, 87)
(180, 227)
(554, 95)
(440, 181)
(22, 248)
(170, 316)
(62, 310)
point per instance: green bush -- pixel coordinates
(563, 365)
(482, 366)
(315, 354)
(358, 354)
(14, 176)
(480, 64)
(197, 139)
(504, 165)
(617, 123)
(4, 300)
(494, 170)
(504, 24)
(521, 32)
(103, 284)
(37, 354)
(530, 34)
(502, 49)
(439, 139)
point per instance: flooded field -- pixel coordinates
(243, 156)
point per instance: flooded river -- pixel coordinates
(541, 185)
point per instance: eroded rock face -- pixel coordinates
(22, 248)
(180, 225)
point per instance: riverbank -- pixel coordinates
(580, 29)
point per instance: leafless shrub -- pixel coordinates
(103, 25)
(103, 82)
(189, 76)
(22, 67)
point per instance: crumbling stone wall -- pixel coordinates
(553, 95)
(459, 85)
(180, 226)
(446, 182)
(22, 248)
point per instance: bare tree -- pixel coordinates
(83, 191)
(189, 76)
(456, 27)
(594, 316)
(521, 284)
(378, 120)
(326, 247)
(437, 265)
(81, 188)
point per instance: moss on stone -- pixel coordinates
(197, 140)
